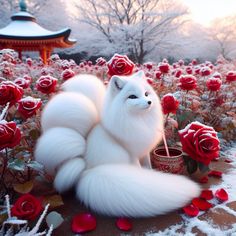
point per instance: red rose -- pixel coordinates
(101, 61)
(28, 106)
(29, 61)
(181, 62)
(169, 104)
(67, 74)
(231, 76)
(178, 73)
(21, 82)
(27, 207)
(205, 71)
(10, 134)
(200, 142)
(164, 67)
(158, 74)
(148, 65)
(10, 92)
(213, 84)
(46, 84)
(120, 65)
(188, 82)
(189, 70)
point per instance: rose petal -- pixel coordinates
(228, 161)
(215, 173)
(191, 210)
(203, 180)
(84, 222)
(207, 194)
(202, 204)
(221, 195)
(124, 224)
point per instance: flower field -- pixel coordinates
(198, 102)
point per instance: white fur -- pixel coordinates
(89, 85)
(125, 190)
(57, 145)
(113, 181)
(67, 176)
(71, 110)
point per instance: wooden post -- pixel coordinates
(20, 55)
(44, 56)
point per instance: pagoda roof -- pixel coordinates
(24, 27)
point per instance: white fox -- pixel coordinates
(98, 140)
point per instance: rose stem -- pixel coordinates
(165, 144)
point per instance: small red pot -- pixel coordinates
(173, 164)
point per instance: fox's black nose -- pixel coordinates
(149, 102)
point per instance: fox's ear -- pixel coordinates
(117, 82)
(140, 74)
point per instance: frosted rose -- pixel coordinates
(213, 84)
(188, 82)
(46, 84)
(169, 104)
(200, 142)
(120, 65)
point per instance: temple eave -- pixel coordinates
(25, 45)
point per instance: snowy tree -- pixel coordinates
(133, 27)
(223, 33)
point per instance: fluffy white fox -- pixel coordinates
(99, 140)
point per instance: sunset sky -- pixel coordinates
(204, 11)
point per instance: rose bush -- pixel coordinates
(27, 207)
(120, 65)
(200, 142)
(10, 134)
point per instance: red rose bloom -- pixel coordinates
(188, 82)
(189, 70)
(164, 67)
(27, 207)
(178, 73)
(200, 142)
(169, 104)
(10, 92)
(213, 84)
(46, 84)
(158, 74)
(21, 82)
(148, 65)
(231, 76)
(28, 106)
(205, 71)
(67, 74)
(120, 65)
(101, 61)
(10, 134)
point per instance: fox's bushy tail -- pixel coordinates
(124, 190)
(66, 121)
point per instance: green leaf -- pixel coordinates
(191, 166)
(16, 164)
(35, 165)
(203, 168)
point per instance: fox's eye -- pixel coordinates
(132, 97)
(146, 94)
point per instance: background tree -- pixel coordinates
(133, 27)
(223, 33)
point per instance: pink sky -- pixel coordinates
(204, 11)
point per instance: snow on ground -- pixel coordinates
(229, 184)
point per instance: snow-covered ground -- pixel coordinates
(206, 226)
